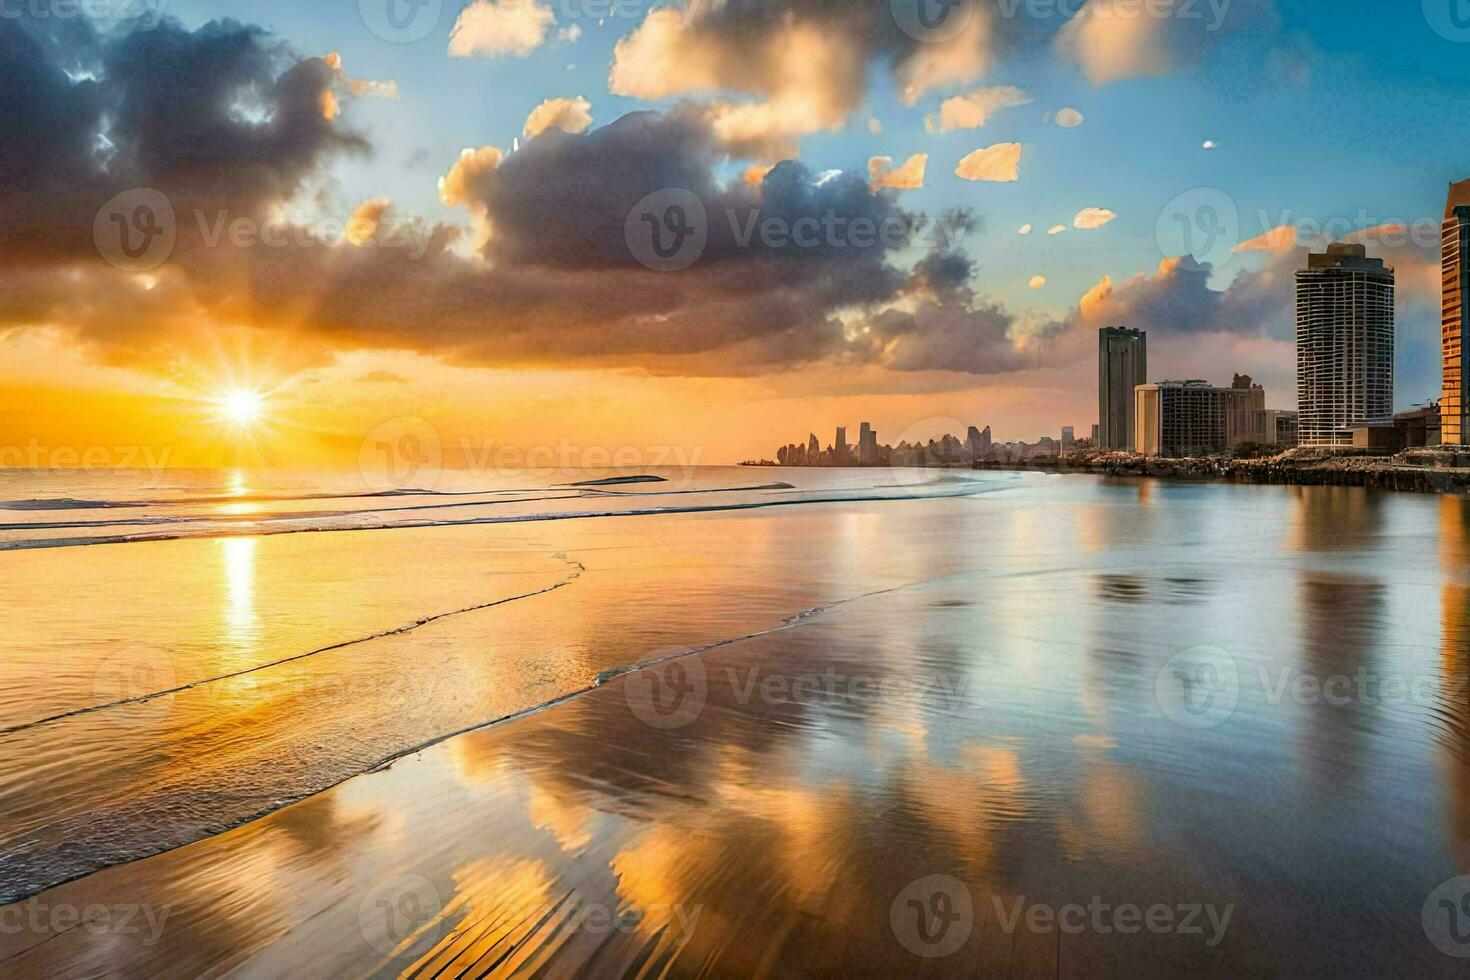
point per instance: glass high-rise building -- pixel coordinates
(1344, 345)
(1122, 365)
(1455, 266)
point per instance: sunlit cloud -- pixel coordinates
(1001, 162)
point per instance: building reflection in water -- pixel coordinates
(1454, 556)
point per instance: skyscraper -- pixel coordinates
(867, 445)
(1344, 344)
(1122, 365)
(1454, 406)
(839, 448)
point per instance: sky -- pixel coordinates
(436, 217)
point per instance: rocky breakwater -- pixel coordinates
(1434, 470)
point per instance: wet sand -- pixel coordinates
(968, 766)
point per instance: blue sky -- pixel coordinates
(1367, 125)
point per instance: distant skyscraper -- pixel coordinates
(1122, 365)
(1069, 438)
(840, 446)
(972, 442)
(1454, 405)
(1344, 344)
(813, 449)
(986, 441)
(867, 444)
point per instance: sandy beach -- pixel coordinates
(951, 756)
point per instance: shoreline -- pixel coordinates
(1434, 470)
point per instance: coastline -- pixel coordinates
(1433, 470)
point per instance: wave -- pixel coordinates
(396, 631)
(67, 503)
(956, 489)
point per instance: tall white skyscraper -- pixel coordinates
(1344, 344)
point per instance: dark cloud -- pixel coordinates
(219, 118)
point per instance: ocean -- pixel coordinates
(719, 718)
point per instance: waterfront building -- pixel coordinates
(1194, 418)
(840, 446)
(1344, 343)
(1455, 269)
(1069, 438)
(1122, 365)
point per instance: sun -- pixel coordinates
(241, 407)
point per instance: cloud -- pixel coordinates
(1110, 44)
(1001, 162)
(910, 176)
(556, 281)
(1279, 239)
(567, 115)
(225, 119)
(933, 64)
(361, 86)
(973, 110)
(1109, 48)
(362, 227)
(1089, 218)
(1210, 145)
(467, 184)
(1069, 118)
(967, 335)
(220, 120)
(496, 27)
(1037, 282)
(1056, 230)
(1024, 229)
(875, 126)
(802, 65)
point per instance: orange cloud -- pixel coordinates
(1001, 162)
